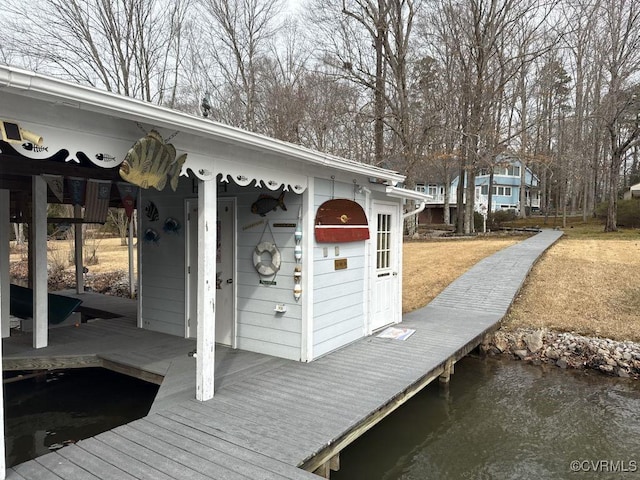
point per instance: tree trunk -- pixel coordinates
(446, 214)
(460, 199)
(612, 206)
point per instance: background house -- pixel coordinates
(506, 184)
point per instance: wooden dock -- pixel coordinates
(273, 418)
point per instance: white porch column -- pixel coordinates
(5, 227)
(77, 243)
(207, 232)
(132, 279)
(39, 236)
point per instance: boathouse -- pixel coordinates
(245, 241)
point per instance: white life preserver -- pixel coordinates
(270, 267)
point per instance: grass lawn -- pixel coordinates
(586, 283)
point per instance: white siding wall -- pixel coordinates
(162, 264)
(259, 327)
(339, 295)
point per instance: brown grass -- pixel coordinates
(429, 266)
(588, 286)
(110, 255)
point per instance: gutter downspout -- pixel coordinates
(419, 209)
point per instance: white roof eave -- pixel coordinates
(91, 99)
(398, 192)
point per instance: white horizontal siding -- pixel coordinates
(337, 308)
(337, 341)
(170, 326)
(259, 327)
(162, 264)
(163, 292)
(276, 349)
(268, 334)
(329, 319)
(339, 295)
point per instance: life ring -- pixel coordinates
(270, 267)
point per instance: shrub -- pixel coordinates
(628, 213)
(499, 218)
(478, 221)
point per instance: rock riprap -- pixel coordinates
(568, 350)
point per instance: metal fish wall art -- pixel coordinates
(151, 236)
(152, 163)
(267, 203)
(151, 211)
(171, 225)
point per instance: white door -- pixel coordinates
(225, 261)
(191, 286)
(385, 257)
(225, 267)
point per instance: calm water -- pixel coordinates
(506, 420)
(69, 406)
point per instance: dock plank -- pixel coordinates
(13, 475)
(93, 464)
(155, 460)
(261, 436)
(62, 467)
(34, 470)
(268, 449)
(156, 439)
(178, 436)
(269, 464)
(117, 458)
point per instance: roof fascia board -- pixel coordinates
(398, 192)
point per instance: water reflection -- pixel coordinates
(504, 420)
(63, 407)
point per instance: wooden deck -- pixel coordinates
(273, 418)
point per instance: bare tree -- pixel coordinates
(239, 34)
(283, 98)
(130, 47)
(620, 107)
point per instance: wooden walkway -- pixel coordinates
(283, 417)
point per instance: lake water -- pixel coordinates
(503, 419)
(67, 406)
(498, 420)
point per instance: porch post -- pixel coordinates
(207, 233)
(5, 227)
(78, 257)
(39, 226)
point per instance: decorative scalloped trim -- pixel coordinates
(248, 175)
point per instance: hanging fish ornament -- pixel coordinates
(151, 163)
(171, 225)
(151, 211)
(151, 236)
(267, 203)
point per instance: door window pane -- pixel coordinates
(384, 241)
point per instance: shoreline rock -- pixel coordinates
(567, 350)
